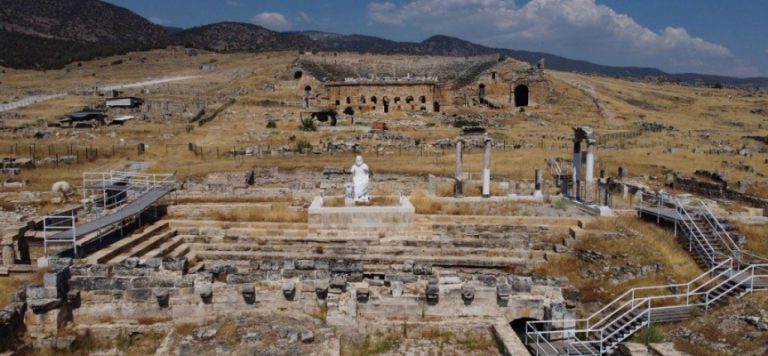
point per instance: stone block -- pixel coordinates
(520, 284)
(175, 264)
(422, 269)
(305, 264)
(138, 295)
(57, 278)
(42, 306)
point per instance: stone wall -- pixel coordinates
(160, 289)
(717, 190)
(401, 97)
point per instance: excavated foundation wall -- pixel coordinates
(160, 289)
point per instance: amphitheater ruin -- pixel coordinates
(473, 236)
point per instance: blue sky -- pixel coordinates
(703, 36)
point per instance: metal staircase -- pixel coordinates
(732, 272)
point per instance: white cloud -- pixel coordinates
(580, 28)
(303, 16)
(272, 20)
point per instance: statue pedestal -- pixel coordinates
(361, 221)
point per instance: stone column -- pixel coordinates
(9, 258)
(590, 174)
(603, 189)
(458, 187)
(537, 184)
(487, 169)
(576, 168)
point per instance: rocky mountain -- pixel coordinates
(43, 34)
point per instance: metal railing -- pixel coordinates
(601, 332)
(102, 192)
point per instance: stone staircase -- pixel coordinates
(157, 240)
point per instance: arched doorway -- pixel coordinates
(385, 100)
(436, 107)
(423, 99)
(374, 100)
(519, 325)
(521, 95)
(298, 74)
(349, 100)
(481, 91)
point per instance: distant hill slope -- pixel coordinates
(47, 34)
(78, 20)
(235, 36)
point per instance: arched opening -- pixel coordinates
(338, 102)
(307, 88)
(397, 100)
(349, 111)
(374, 100)
(349, 100)
(362, 100)
(493, 75)
(521, 95)
(519, 325)
(436, 107)
(307, 94)
(385, 100)
(409, 99)
(298, 74)
(481, 91)
(423, 99)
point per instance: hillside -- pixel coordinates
(87, 21)
(236, 37)
(47, 34)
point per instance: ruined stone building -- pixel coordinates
(419, 86)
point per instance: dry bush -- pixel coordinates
(224, 199)
(651, 244)
(757, 237)
(375, 344)
(424, 204)
(277, 213)
(386, 200)
(150, 320)
(228, 334)
(185, 328)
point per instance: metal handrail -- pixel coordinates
(719, 230)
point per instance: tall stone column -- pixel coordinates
(590, 174)
(487, 168)
(576, 168)
(458, 187)
(537, 184)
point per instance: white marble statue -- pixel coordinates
(360, 178)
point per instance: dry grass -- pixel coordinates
(9, 285)
(277, 213)
(185, 328)
(425, 204)
(151, 320)
(757, 237)
(228, 334)
(374, 201)
(249, 199)
(375, 344)
(653, 244)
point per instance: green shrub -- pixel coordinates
(650, 334)
(303, 145)
(308, 124)
(461, 121)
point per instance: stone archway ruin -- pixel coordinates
(521, 95)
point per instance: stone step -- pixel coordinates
(409, 242)
(203, 224)
(164, 249)
(298, 250)
(126, 243)
(144, 246)
(4, 271)
(449, 261)
(181, 250)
